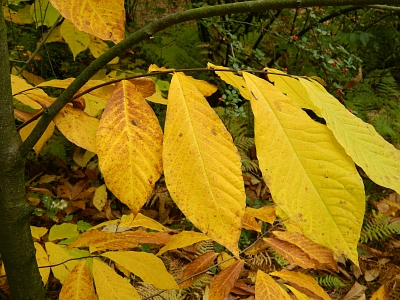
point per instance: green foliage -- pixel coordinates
(330, 282)
(376, 100)
(58, 146)
(379, 228)
(52, 206)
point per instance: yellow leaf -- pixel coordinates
(43, 260)
(225, 281)
(232, 79)
(145, 265)
(155, 68)
(291, 87)
(19, 85)
(205, 88)
(379, 159)
(268, 289)
(202, 166)
(183, 239)
(22, 16)
(97, 47)
(129, 146)
(157, 98)
(327, 202)
(380, 294)
(44, 13)
(104, 20)
(94, 105)
(55, 36)
(100, 197)
(111, 286)
(303, 280)
(77, 41)
(26, 131)
(82, 157)
(38, 232)
(265, 213)
(250, 223)
(79, 284)
(59, 254)
(78, 127)
(63, 231)
(299, 295)
(142, 221)
(224, 256)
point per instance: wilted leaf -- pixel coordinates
(356, 292)
(145, 265)
(268, 289)
(107, 22)
(304, 281)
(78, 284)
(201, 165)
(129, 146)
(225, 281)
(321, 255)
(352, 83)
(183, 239)
(43, 260)
(294, 150)
(379, 159)
(100, 197)
(111, 286)
(200, 264)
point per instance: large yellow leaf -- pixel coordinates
(129, 146)
(309, 174)
(145, 265)
(26, 131)
(379, 159)
(202, 166)
(111, 286)
(78, 127)
(268, 289)
(105, 20)
(77, 40)
(78, 284)
(19, 85)
(59, 254)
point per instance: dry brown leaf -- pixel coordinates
(225, 281)
(356, 292)
(200, 264)
(355, 81)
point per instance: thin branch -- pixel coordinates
(39, 46)
(384, 7)
(157, 25)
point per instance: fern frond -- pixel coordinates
(330, 282)
(379, 228)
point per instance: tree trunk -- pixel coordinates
(16, 244)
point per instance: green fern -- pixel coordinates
(330, 282)
(58, 146)
(379, 228)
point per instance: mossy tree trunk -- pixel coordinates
(16, 244)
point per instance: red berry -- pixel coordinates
(314, 35)
(345, 69)
(220, 99)
(315, 7)
(295, 37)
(328, 51)
(339, 92)
(312, 43)
(285, 17)
(285, 69)
(351, 111)
(334, 63)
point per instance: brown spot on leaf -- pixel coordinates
(213, 132)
